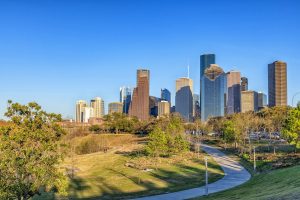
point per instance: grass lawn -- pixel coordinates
(278, 184)
(107, 175)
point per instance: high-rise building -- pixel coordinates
(153, 105)
(262, 100)
(139, 106)
(249, 101)
(213, 92)
(184, 98)
(88, 112)
(166, 95)
(125, 98)
(244, 84)
(80, 105)
(205, 61)
(233, 92)
(196, 104)
(277, 81)
(98, 106)
(115, 107)
(163, 108)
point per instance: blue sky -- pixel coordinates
(56, 52)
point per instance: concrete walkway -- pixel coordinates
(235, 175)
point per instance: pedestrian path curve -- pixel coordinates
(235, 174)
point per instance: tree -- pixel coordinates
(291, 128)
(30, 152)
(228, 132)
(157, 145)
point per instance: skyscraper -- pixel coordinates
(125, 98)
(205, 61)
(277, 81)
(262, 100)
(80, 105)
(115, 107)
(233, 92)
(98, 107)
(184, 98)
(153, 105)
(213, 92)
(139, 106)
(244, 84)
(166, 95)
(163, 108)
(249, 101)
(196, 105)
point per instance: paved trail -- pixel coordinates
(235, 175)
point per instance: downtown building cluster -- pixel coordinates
(221, 93)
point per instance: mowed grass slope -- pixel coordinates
(108, 176)
(276, 185)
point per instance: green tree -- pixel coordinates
(30, 152)
(157, 145)
(291, 130)
(228, 132)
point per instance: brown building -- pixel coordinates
(277, 81)
(244, 84)
(249, 101)
(163, 108)
(115, 107)
(233, 92)
(139, 106)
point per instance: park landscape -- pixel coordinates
(126, 158)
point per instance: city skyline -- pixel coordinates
(68, 58)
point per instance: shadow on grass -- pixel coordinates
(185, 178)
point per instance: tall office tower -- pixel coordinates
(163, 108)
(244, 84)
(213, 96)
(98, 105)
(125, 98)
(261, 100)
(249, 101)
(184, 98)
(233, 92)
(139, 106)
(205, 61)
(153, 105)
(196, 105)
(80, 105)
(88, 112)
(166, 95)
(115, 107)
(277, 78)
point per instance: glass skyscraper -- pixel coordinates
(213, 92)
(205, 61)
(166, 95)
(125, 98)
(184, 98)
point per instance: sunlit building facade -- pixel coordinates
(184, 98)
(233, 92)
(115, 107)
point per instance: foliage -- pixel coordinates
(119, 122)
(228, 132)
(95, 128)
(30, 151)
(167, 138)
(291, 129)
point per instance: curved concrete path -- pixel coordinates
(235, 175)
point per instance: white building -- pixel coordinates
(98, 107)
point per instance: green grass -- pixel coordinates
(105, 176)
(278, 184)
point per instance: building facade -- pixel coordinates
(233, 92)
(125, 98)
(165, 95)
(139, 106)
(244, 84)
(262, 101)
(153, 105)
(98, 106)
(196, 105)
(184, 98)
(80, 105)
(277, 83)
(115, 107)
(249, 101)
(213, 92)
(163, 108)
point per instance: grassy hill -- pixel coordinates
(278, 184)
(121, 174)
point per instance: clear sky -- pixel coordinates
(56, 52)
